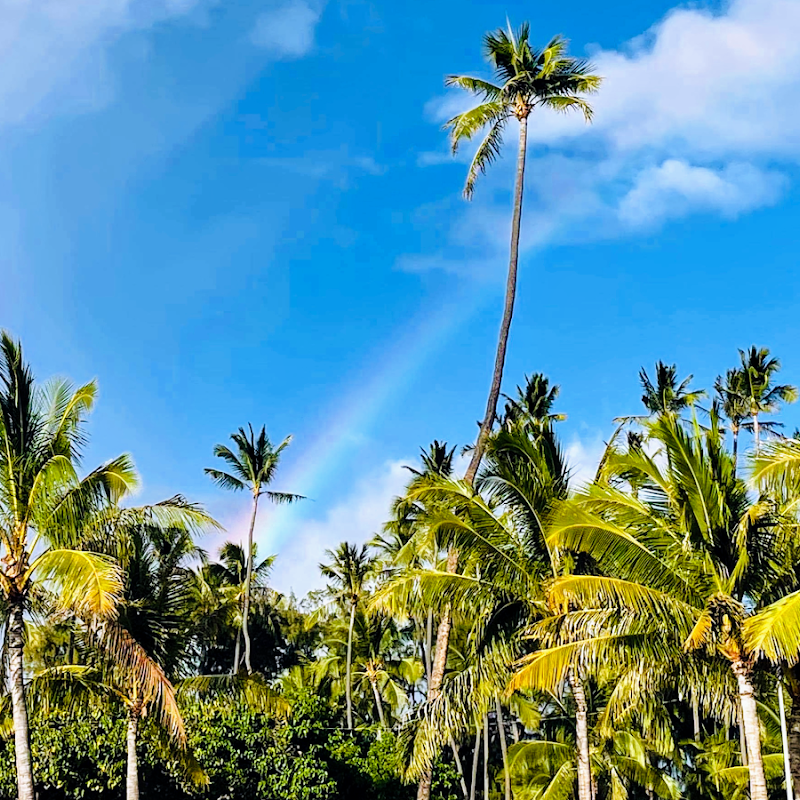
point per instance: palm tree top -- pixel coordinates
(348, 570)
(436, 460)
(526, 78)
(665, 395)
(534, 403)
(251, 465)
(758, 370)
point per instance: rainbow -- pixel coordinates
(379, 380)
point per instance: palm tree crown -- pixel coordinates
(666, 395)
(527, 78)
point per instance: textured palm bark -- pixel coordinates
(378, 702)
(582, 736)
(508, 309)
(793, 687)
(752, 730)
(19, 709)
(348, 689)
(132, 776)
(501, 729)
(247, 581)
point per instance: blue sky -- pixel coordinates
(247, 212)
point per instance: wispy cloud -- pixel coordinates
(287, 29)
(356, 518)
(698, 115)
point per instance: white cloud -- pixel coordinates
(287, 30)
(356, 518)
(699, 114)
(583, 457)
(46, 45)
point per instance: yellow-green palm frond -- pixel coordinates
(774, 632)
(253, 690)
(87, 584)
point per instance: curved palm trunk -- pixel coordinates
(752, 731)
(132, 776)
(247, 581)
(378, 703)
(501, 730)
(348, 688)
(508, 310)
(475, 757)
(443, 632)
(582, 737)
(19, 709)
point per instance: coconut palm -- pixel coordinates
(762, 397)
(665, 395)
(534, 403)
(252, 467)
(683, 568)
(526, 79)
(735, 406)
(45, 509)
(348, 569)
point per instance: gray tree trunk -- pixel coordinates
(486, 757)
(247, 581)
(19, 708)
(348, 689)
(501, 729)
(752, 731)
(132, 776)
(582, 736)
(475, 760)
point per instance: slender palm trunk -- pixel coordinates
(443, 632)
(237, 655)
(787, 769)
(19, 708)
(794, 728)
(132, 776)
(348, 689)
(752, 731)
(475, 758)
(247, 581)
(735, 432)
(508, 310)
(437, 672)
(378, 702)
(486, 757)
(756, 431)
(582, 736)
(742, 740)
(696, 718)
(428, 645)
(460, 768)
(501, 730)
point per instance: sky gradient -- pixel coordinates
(234, 213)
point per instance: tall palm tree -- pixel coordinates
(534, 403)
(252, 467)
(348, 569)
(684, 568)
(665, 395)
(758, 371)
(735, 406)
(526, 79)
(44, 508)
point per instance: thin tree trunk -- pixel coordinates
(508, 310)
(735, 431)
(247, 581)
(437, 673)
(742, 740)
(756, 431)
(132, 777)
(378, 703)
(486, 757)
(787, 770)
(428, 645)
(752, 731)
(459, 768)
(696, 718)
(237, 654)
(443, 632)
(19, 709)
(475, 758)
(582, 736)
(501, 729)
(794, 733)
(348, 689)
